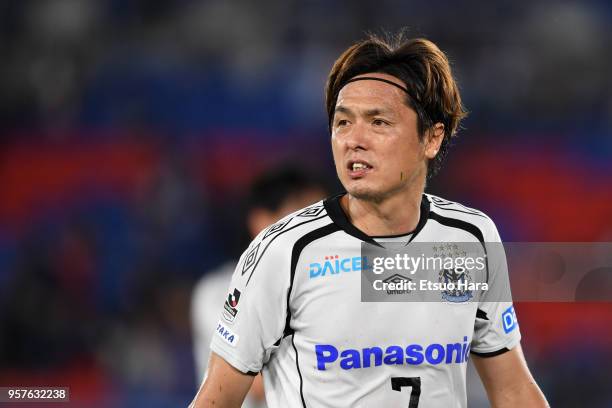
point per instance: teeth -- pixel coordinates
(359, 166)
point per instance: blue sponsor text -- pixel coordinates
(333, 265)
(413, 354)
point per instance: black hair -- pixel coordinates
(272, 188)
(431, 88)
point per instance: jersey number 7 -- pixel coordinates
(414, 382)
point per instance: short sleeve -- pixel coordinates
(496, 327)
(252, 317)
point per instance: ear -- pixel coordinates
(434, 140)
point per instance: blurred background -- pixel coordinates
(130, 129)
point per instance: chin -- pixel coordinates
(372, 192)
(365, 193)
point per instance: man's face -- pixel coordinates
(375, 141)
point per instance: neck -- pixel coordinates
(395, 215)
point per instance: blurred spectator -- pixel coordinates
(273, 195)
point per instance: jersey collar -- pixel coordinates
(337, 215)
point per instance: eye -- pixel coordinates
(379, 122)
(341, 122)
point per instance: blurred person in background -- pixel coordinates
(277, 192)
(393, 106)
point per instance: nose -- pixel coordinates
(356, 137)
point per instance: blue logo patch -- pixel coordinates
(226, 334)
(509, 320)
(333, 265)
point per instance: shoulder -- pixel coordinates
(276, 242)
(286, 231)
(452, 212)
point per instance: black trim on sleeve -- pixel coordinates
(491, 353)
(481, 314)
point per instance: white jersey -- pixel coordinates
(319, 345)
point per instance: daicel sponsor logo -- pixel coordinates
(333, 265)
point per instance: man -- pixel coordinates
(392, 111)
(274, 194)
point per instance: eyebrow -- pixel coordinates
(376, 111)
(368, 112)
(342, 109)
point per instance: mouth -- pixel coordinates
(358, 168)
